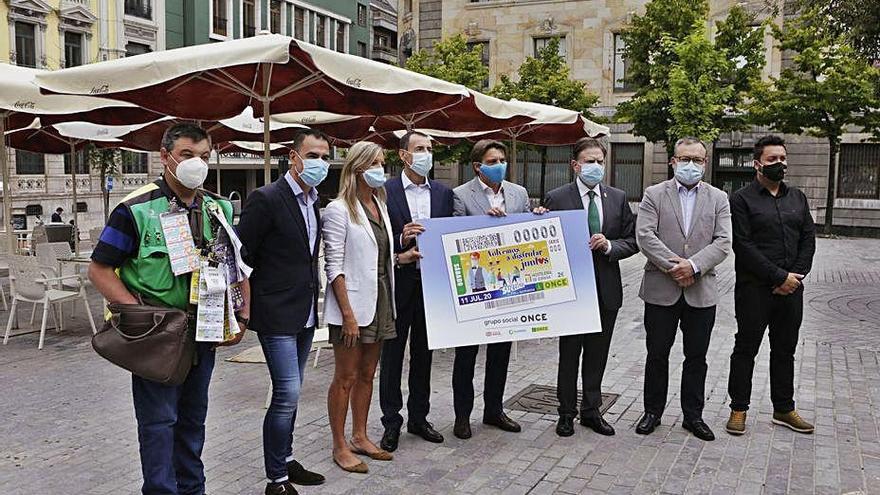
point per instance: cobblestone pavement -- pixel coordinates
(67, 423)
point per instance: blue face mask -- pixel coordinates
(495, 173)
(592, 173)
(314, 171)
(422, 163)
(374, 177)
(688, 173)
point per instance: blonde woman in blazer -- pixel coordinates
(359, 306)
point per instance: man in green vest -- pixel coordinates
(131, 260)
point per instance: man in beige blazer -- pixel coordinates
(684, 230)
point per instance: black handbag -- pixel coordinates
(152, 342)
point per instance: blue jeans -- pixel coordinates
(286, 357)
(171, 429)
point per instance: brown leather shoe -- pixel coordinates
(504, 422)
(794, 421)
(360, 468)
(736, 425)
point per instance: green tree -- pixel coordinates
(827, 88)
(546, 78)
(857, 20)
(106, 162)
(451, 60)
(685, 83)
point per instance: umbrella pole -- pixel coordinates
(7, 198)
(218, 172)
(514, 173)
(75, 216)
(267, 151)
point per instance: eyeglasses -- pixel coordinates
(696, 159)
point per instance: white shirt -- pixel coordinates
(496, 200)
(584, 190)
(307, 207)
(688, 199)
(418, 198)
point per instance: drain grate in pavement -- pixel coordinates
(541, 399)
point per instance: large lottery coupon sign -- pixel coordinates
(525, 276)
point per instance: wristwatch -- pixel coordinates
(242, 319)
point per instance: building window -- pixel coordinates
(620, 64)
(82, 165)
(220, 17)
(627, 165)
(132, 49)
(134, 162)
(484, 56)
(249, 10)
(541, 43)
(320, 30)
(73, 49)
(25, 44)
(362, 15)
(733, 168)
(82, 207)
(362, 49)
(340, 37)
(27, 163)
(275, 16)
(299, 24)
(859, 171)
(139, 8)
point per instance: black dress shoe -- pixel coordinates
(283, 488)
(597, 424)
(301, 476)
(565, 426)
(503, 422)
(425, 430)
(462, 429)
(647, 424)
(699, 429)
(390, 439)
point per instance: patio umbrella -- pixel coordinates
(273, 72)
(21, 102)
(67, 138)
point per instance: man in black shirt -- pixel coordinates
(774, 242)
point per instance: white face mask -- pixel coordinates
(191, 173)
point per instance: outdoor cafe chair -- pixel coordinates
(30, 282)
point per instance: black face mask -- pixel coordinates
(774, 171)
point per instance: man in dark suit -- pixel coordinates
(612, 238)
(411, 198)
(280, 229)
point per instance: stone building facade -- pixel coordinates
(52, 34)
(511, 30)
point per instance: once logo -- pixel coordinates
(308, 120)
(354, 82)
(25, 105)
(100, 90)
(493, 333)
(534, 317)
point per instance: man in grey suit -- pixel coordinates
(684, 230)
(488, 193)
(612, 238)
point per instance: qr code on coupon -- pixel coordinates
(478, 243)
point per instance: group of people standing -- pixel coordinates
(373, 302)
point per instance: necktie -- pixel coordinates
(593, 214)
